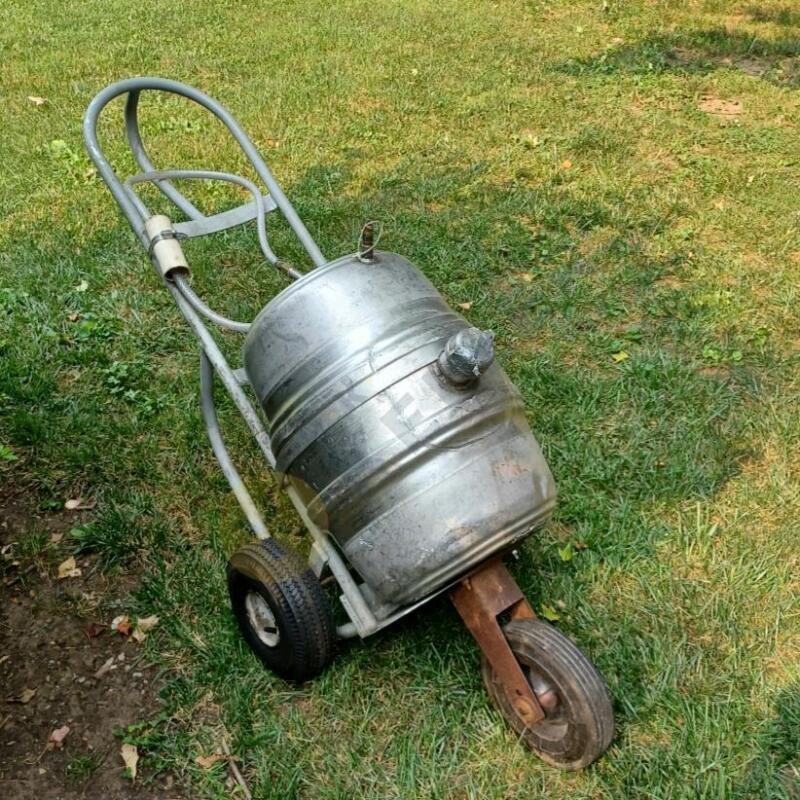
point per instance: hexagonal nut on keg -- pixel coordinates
(466, 356)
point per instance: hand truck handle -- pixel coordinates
(130, 203)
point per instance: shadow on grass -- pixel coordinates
(787, 16)
(698, 52)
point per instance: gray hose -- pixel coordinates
(179, 279)
(209, 175)
(186, 290)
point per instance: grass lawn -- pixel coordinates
(613, 188)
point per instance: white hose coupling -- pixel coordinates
(165, 249)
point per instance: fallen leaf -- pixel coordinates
(55, 538)
(581, 545)
(130, 755)
(121, 624)
(73, 317)
(146, 624)
(56, 740)
(94, 629)
(566, 164)
(619, 357)
(37, 101)
(567, 552)
(208, 761)
(68, 569)
(549, 613)
(143, 626)
(26, 695)
(79, 504)
(526, 276)
(82, 286)
(108, 665)
(465, 306)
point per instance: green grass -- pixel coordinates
(81, 769)
(556, 165)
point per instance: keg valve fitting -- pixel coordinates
(466, 356)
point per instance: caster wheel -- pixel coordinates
(281, 609)
(579, 723)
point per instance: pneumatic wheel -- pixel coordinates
(579, 723)
(281, 609)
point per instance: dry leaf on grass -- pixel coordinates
(465, 306)
(55, 538)
(208, 761)
(68, 569)
(56, 740)
(121, 625)
(526, 276)
(78, 504)
(146, 624)
(130, 755)
(37, 101)
(143, 626)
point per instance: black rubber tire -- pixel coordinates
(581, 727)
(303, 618)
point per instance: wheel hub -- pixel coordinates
(261, 619)
(544, 691)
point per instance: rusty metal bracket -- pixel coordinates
(480, 598)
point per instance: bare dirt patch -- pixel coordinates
(61, 666)
(782, 69)
(717, 107)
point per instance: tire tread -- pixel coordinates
(539, 640)
(305, 615)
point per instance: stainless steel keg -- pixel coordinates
(417, 472)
